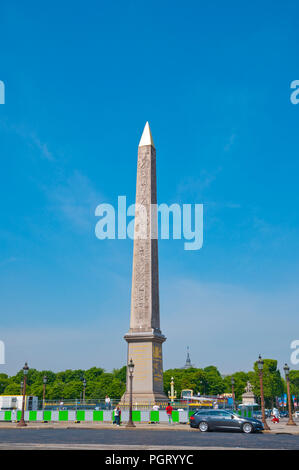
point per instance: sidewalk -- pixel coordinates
(281, 428)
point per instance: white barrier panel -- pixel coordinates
(125, 415)
(183, 417)
(72, 415)
(55, 416)
(39, 416)
(145, 416)
(107, 416)
(163, 417)
(88, 415)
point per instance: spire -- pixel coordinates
(188, 360)
(146, 138)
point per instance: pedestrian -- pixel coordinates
(117, 415)
(275, 414)
(14, 415)
(169, 410)
(107, 403)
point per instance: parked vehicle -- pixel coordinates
(208, 420)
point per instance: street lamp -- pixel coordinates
(131, 371)
(25, 371)
(22, 385)
(172, 392)
(286, 369)
(84, 387)
(260, 365)
(45, 378)
(233, 392)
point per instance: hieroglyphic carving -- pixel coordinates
(145, 283)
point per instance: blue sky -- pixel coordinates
(213, 79)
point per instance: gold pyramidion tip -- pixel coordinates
(146, 138)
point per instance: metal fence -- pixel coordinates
(101, 405)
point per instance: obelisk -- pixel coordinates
(144, 337)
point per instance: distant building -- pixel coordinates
(188, 361)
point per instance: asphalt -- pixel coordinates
(134, 439)
(280, 428)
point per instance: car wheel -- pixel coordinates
(203, 426)
(247, 428)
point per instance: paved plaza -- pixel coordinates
(110, 439)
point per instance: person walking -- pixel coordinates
(275, 414)
(107, 403)
(117, 414)
(169, 410)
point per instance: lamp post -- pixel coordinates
(22, 385)
(260, 364)
(286, 369)
(131, 371)
(45, 378)
(25, 371)
(233, 392)
(84, 388)
(172, 393)
(203, 383)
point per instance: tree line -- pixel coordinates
(68, 384)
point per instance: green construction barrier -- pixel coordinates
(47, 415)
(80, 415)
(175, 416)
(191, 413)
(7, 415)
(98, 415)
(19, 415)
(154, 416)
(249, 414)
(32, 415)
(136, 415)
(63, 415)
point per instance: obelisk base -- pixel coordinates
(145, 349)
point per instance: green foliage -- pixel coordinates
(208, 381)
(121, 374)
(272, 382)
(12, 389)
(4, 381)
(93, 374)
(241, 379)
(203, 381)
(294, 382)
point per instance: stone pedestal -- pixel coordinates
(145, 349)
(248, 398)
